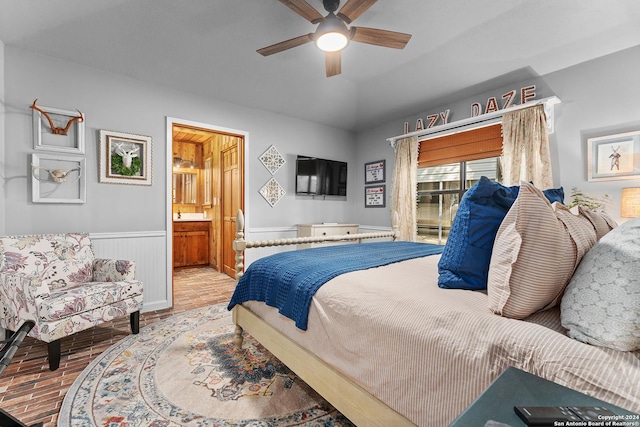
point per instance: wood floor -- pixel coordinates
(32, 393)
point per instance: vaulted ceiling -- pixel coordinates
(208, 47)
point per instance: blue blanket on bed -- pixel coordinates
(288, 280)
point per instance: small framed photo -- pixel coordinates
(614, 157)
(374, 197)
(57, 130)
(374, 172)
(125, 158)
(58, 178)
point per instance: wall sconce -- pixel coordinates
(630, 207)
(180, 163)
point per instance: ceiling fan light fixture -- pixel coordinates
(332, 34)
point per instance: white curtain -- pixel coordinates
(405, 187)
(525, 148)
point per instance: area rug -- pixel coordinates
(185, 371)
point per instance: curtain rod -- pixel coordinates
(548, 102)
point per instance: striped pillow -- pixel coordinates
(537, 249)
(602, 222)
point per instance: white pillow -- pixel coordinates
(601, 305)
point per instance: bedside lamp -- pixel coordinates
(630, 207)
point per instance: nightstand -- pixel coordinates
(515, 387)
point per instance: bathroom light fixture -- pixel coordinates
(181, 163)
(332, 34)
(630, 206)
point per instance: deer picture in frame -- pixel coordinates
(124, 158)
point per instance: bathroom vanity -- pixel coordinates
(191, 243)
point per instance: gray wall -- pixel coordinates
(598, 97)
(119, 103)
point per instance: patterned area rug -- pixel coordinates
(185, 371)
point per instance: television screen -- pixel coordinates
(320, 177)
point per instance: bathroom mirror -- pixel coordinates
(185, 188)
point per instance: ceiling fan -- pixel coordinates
(333, 32)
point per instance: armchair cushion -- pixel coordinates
(87, 297)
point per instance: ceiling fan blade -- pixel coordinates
(378, 37)
(304, 9)
(333, 63)
(287, 44)
(352, 9)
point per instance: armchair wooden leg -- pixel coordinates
(134, 319)
(53, 349)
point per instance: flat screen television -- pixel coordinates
(320, 177)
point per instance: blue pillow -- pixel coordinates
(554, 194)
(464, 263)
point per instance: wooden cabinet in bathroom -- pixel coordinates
(191, 243)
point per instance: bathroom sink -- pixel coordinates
(190, 217)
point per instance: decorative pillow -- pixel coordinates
(601, 304)
(464, 263)
(536, 251)
(601, 222)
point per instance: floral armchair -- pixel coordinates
(56, 281)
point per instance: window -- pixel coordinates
(448, 166)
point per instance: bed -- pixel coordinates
(388, 346)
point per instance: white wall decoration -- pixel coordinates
(272, 159)
(58, 178)
(58, 130)
(125, 158)
(272, 192)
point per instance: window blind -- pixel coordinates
(474, 144)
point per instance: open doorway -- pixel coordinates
(205, 167)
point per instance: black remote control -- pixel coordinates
(548, 415)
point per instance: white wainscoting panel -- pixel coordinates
(148, 250)
(270, 233)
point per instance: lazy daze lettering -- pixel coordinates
(526, 93)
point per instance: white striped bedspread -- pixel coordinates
(429, 352)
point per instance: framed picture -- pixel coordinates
(58, 178)
(58, 130)
(374, 172)
(614, 157)
(125, 158)
(374, 197)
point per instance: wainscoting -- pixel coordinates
(267, 233)
(149, 251)
(273, 233)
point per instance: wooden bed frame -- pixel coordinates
(362, 408)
